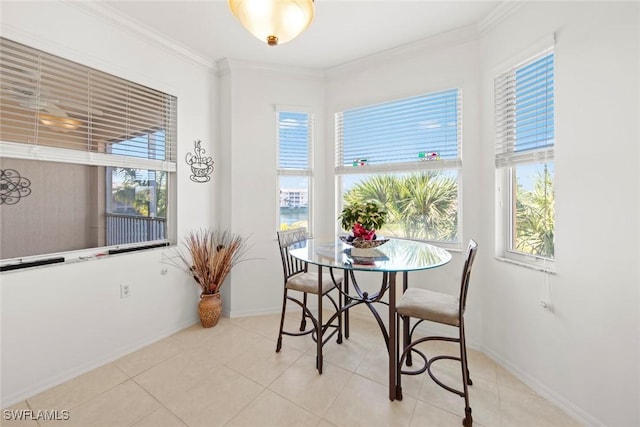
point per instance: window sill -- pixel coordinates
(65, 258)
(550, 269)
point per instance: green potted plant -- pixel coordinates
(363, 219)
(208, 256)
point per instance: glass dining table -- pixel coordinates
(393, 257)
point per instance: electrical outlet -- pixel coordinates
(124, 291)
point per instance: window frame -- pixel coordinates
(18, 143)
(406, 167)
(507, 162)
(291, 172)
(12, 150)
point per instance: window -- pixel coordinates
(406, 155)
(525, 139)
(295, 136)
(95, 153)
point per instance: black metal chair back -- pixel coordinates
(466, 275)
(435, 307)
(290, 265)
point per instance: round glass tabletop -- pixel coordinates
(395, 255)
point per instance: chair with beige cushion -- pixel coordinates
(298, 278)
(422, 304)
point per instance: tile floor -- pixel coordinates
(230, 375)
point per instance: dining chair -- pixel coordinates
(298, 278)
(425, 305)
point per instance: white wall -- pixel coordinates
(250, 93)
(60, 321)
(585, 354)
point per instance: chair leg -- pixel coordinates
(468, 374)
(303, 322)
(468, 419)
(406, 338)
(339, 341)
(284, 308)
(347, 300)
(401, 344)
(319, 331)
(406, 324)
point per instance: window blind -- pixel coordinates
(50, 102)
(295, 131)
(524, 108)
(401, 134)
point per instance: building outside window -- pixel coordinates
(525, 140)
(406, 155)
(295, 138)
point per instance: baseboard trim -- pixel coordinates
(544, 391)
(254, 312)
(34, 389)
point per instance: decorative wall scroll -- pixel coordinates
(13, 187)
(201, 165)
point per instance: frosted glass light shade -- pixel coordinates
(60, 124)
(274, 21)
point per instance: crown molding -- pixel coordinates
(46, 44)
(499, 14)
(114, 17)
(223, 67)
(450, 38)
(229, 65)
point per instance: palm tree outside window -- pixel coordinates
(406, 155)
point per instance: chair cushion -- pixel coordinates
(428, 305)
(308, 282)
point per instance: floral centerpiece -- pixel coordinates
(362, 219)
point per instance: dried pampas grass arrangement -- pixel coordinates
(210, 255)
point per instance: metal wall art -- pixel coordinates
(201, 165)
(13, 187)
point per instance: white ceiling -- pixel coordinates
(342, 31)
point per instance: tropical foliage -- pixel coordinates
(420, 205)
(144, 192)
(535, 221)
(369, 214)
(284, 226)
(424, 206)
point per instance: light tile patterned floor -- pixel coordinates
(230, 375)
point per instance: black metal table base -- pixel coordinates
(390, 335)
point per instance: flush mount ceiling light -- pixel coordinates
(60, 124)
(274, 21)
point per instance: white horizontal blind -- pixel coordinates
(48, 101)
(295, 130)
(524, 105)
(408, 134)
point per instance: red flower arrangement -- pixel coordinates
(363, 218)
(360, 232)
